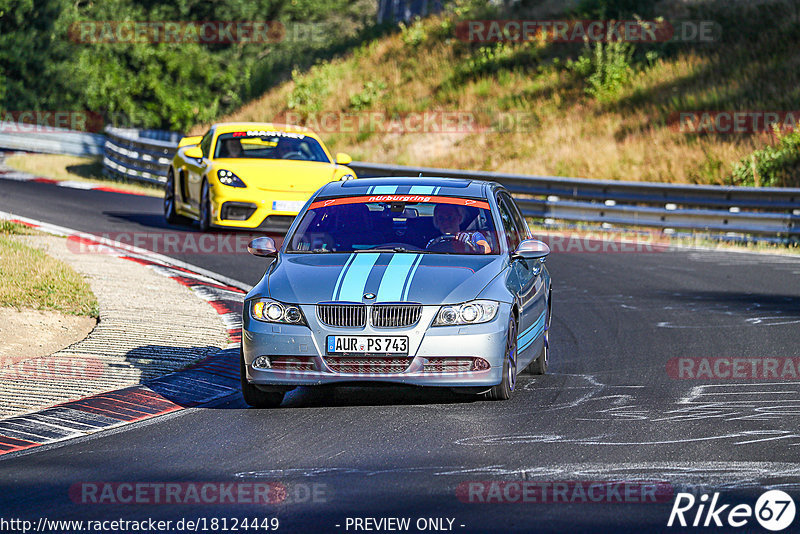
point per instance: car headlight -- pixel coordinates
(347, 177)
(272, 311)
(472, 312)
(226, 177)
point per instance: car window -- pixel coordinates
(445, 225)
(260, 144)
(516, 215)
(205, 144)
(512, 234)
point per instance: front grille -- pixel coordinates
(448, 365)
(395, 315)
(368, 364)
(342, 315)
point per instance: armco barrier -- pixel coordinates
(50, 140)
(142, 155)
(748, 210)
(146, 155)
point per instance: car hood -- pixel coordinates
(392, 277)
(279, 174)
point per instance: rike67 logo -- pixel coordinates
(774, 510)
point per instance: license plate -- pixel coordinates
(287, 205)
(367, 344)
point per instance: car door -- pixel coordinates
(195, 171)
(514, 281)
(531, 287)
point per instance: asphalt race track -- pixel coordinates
(607, 411)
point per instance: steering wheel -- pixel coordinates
(450, 243)
(291, 155)
(395, 244)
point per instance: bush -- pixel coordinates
(414, 34)
(309, 91)
(772, 166)
(368, 97)
(605, 67)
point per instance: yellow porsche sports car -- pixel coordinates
(248, 175)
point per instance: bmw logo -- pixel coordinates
(369, 296)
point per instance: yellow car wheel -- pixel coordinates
(205, 209)
(170, 212)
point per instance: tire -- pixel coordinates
(254, 396)
(539, 365)
(505, 388)
(170, 211)
(205, 209)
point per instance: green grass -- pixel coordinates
(31, 279)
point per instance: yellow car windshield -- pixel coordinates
(269, 145)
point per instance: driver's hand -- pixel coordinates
(466, 238)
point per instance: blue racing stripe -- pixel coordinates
(530, 336)
(385, 189)
(355, 280)
(529, 341)
(410, 279)
(338, 286)
(421, 190)
(395, 276)
(531, 333)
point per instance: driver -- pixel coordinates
(232, 148)
(447, 218)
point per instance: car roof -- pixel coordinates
(456, 187)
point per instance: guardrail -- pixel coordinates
(747, 210)
(146, 155)
(142, 155)
(32, 138)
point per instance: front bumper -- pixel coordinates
(485, 341)
(263, 215)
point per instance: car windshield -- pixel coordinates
(396, 223)
(261, 144)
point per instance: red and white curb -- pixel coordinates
(19, 176)
(212, 378)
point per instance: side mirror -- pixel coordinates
(190, 140)
(343, 159)
(531, 249)
(194, 152)
(262, 246)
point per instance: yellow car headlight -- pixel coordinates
(226, 177)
